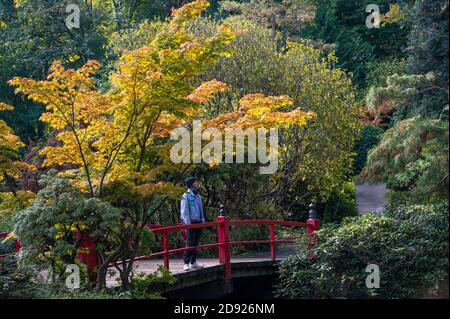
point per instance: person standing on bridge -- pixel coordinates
(192, 213)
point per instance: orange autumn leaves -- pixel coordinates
(207, 90)
(9, 146)
(119, 135)
(255, 110)
(74, 109)
(260, 111)
(85, 119)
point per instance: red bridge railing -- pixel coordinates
(223, 243)
(5, 235)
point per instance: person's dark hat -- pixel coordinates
(190, 181)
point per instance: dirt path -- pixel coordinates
(370, 198)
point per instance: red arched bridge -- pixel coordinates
(224, 263)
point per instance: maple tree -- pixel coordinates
(258, 110)
(74, 109)
(114, 146)
(10, 144)
(12, 199)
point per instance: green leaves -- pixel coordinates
(412, 157)
(143, 284)
(47, 228)
(370, 136)
(316, 158)
(400, 89)
(409, 244)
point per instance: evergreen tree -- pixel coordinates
(343, 22)
(428, 52)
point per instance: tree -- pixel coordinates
(421, 89)
(288, 16)
(406, 90)
(12, 199)
(98, 131)
(34, 34)
(9, 146)
(74, 108)
(115, 146)
(10, 167)
(412, 155)
(412, 158)
(343, 23)
(314, 160)
(428, 54)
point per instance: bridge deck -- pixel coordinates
(176, 265)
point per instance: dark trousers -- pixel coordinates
(193, 238)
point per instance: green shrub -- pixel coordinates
(89, 294)
(341, 204)
(370, 137)
(379, 71)
(412, 158)
(143, 284)
(50, 224)
(148, 243)
(409, 244)
(6, 224)
(22, 283)
(7, 247)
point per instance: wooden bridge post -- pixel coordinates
(166, 250)
(273, 249)
(223, 236)
(89, 257)
(18, 245)
(313, 224)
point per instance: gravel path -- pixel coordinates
(370, 198)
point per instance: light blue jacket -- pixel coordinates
(191, 207)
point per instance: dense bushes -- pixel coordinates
(342, 22)
(370, 137)
(409, 244)
(47, 228)
(315, 161)
(341, 204)
(412, 159)
(20, 283)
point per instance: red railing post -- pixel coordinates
(166, 249)
(88, 256)
(18, 245)
(184, 236)
(223, 235)
(273, 249)
(313, 224)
